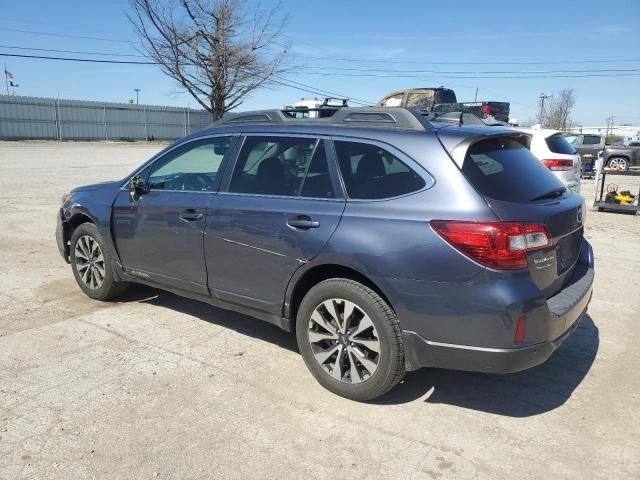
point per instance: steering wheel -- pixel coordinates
(198, 182)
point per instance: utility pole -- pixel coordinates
(137, 90)
(543, 97)
(475, 99)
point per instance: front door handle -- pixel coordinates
(303, 222)
(190, 215)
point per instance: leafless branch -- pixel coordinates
(211, 49)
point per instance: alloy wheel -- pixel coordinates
(89, 262)
(618, 163)
(344, 340)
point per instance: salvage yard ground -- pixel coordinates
(160, 386)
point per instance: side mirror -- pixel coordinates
(137, 186)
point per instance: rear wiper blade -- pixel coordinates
(556, 192)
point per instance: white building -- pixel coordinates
(629, 132)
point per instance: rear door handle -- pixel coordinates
(190, 215)
(303, 222)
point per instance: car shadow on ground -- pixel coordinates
(242, 324)
(522, 394)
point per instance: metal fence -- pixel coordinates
(56, 119)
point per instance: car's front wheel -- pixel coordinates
(91, 264)
(350, 339)
(618, 163)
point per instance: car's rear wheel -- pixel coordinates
(350, 339)
(91, 264)
(618, 163)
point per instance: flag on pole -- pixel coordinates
(13, 84)
(8, 74)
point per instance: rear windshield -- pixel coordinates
(503, 169)
(559, 144)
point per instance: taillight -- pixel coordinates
(500, 245)
(486, 109)
(558, 165)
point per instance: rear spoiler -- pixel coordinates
(458, 142)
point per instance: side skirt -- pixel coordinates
(284, 323)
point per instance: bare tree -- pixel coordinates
(558, 114)
(218, 50)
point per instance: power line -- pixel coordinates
(479, 72)
(485, 62)
(477, 77)
(458, 74)
(337, 57)
(87, 60)
(51, 34)
(127, 62)
(74, 51)
(316, 92)
(327, 92)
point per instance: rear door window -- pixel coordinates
(591, 140)
(503, 169)
(559, 144)
(371, 172)
(420, 100)
(283, 166)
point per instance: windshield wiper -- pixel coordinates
(556, 192)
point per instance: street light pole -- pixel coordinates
(137, 90)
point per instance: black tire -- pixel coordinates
(390, 360)
(109, 287)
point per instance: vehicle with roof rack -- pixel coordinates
(385, 239)
(314, 108)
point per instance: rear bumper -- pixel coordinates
(563, 314)
(419, 352)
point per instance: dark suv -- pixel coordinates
(387, 243)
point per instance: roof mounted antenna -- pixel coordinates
(461, 119)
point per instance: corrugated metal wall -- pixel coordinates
(50, 118)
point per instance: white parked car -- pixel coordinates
(557, 154)
(314, 106)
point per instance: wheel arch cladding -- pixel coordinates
(312, 276)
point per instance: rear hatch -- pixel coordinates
(499, 110)
(519, 188)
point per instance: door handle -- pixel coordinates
(190, 215)
(303, 222)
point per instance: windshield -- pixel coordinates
(503, 169)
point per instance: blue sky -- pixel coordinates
(366, 35)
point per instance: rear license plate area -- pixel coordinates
(567, 250)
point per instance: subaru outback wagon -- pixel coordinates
(384, 241)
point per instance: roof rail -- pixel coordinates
(363, 117)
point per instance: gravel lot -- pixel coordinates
(160, 386)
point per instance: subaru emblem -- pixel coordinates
(579, 216)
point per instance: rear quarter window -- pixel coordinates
(559, 144)
(503, 169)
(372, 172)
